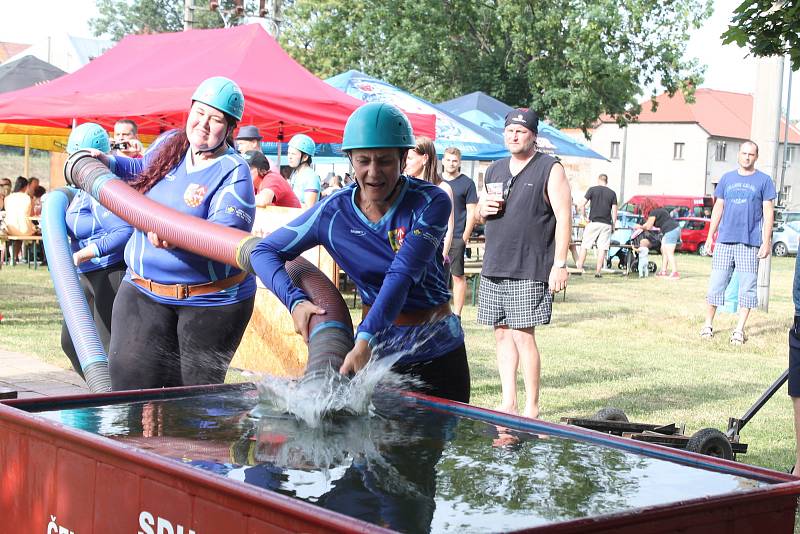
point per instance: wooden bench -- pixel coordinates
(472, 272)
(25, 240)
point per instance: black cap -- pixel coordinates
(249, 132)
(525, 117)
(256, 159)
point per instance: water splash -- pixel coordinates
(316, 396)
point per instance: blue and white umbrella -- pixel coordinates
(474, 142)
(489, 113)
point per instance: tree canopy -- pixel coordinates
(769, 28)
(571, 60)
(119, 18)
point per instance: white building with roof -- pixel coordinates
(67, 52)
(682, 148)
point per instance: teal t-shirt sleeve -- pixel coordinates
(312, 182)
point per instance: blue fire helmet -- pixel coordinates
(88, 135)
(223, 94)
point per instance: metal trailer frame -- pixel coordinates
(59, 479)
(672, 435)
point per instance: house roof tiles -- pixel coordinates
(720, 113)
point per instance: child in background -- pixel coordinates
(644, 257)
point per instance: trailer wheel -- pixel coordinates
(711, 442)
(611, 414)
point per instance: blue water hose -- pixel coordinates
(71, 299)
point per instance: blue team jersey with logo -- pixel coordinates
(395, 263)
(91, 224)
(743, 213)
(220, 191)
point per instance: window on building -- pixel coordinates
(721, 150)
(786, 195)
(790, 155)
(614, 150)
(677, 151)
(645, 178)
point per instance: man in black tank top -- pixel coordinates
(527, 208)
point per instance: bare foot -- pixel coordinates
(796, 470)
(511, 410)
(532, 412)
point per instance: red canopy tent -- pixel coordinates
(151, 78)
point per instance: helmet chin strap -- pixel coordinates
(228, 131)
(396, 185)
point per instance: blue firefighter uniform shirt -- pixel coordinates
(394, 262)
(219, 190)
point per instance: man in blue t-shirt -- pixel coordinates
(743, 212)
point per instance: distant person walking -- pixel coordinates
(521, 269)
(743, 212)
(602, 202)
(465, 198)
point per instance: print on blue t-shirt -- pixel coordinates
(395, 262)
(220, 191)
(743, 213)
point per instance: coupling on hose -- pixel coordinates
(69, 165)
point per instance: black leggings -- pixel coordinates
(100, 287)
(158, 345)
(446, 376)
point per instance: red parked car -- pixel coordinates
(694, 232)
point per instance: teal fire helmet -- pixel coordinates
(378, 125)
(304, 144)
(223, 94)
(88, 135)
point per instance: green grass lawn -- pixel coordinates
(626, 343)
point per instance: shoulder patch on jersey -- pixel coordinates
(194, 195)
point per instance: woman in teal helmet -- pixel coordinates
(97, 238)
(305, 182)
(179, 317)
(385, 231)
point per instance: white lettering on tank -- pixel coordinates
(146, 523)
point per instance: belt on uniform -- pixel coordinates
(184, 291)
(416, 317)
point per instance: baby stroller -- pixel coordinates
(627, 259)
